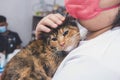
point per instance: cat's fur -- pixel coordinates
(40, 58)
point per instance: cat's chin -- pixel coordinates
(67, 52)
(69, 49)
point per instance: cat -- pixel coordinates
(40, 58)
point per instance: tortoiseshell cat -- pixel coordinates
(40, 58)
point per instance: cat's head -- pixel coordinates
(65, 38)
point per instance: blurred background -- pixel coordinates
(23, 15)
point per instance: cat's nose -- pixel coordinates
(62, 43)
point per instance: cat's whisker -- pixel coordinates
(75, 35)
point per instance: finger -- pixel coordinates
(56, 18)
(39, 29)
(48, 22)
(42, 28)
(62, 18)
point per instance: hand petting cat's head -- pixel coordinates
(64, 38)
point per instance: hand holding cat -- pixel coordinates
(52, 20)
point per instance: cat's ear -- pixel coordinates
(69, 20)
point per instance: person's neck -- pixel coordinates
(93, 34)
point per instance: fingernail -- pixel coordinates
(63, 18)
(55, 25)
(48, 30)
(59, 22)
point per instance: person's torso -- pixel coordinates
(10, 41)
(95, 59)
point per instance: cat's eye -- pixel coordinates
(54, 39)
(65, 33)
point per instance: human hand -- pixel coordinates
(51, 20)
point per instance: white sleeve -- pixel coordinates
(85, 68)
